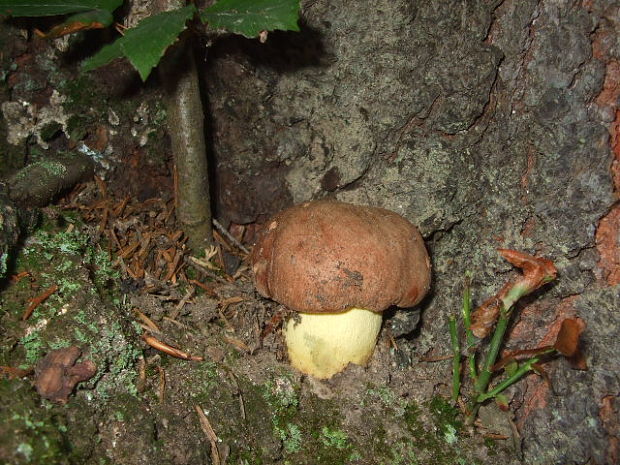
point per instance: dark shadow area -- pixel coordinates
(118, 79)
(283, 52)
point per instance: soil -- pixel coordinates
(477, 122)
(139, 406)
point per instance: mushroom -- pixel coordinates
(338, 265)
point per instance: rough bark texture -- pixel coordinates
(480, 121)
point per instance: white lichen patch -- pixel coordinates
(24, 119)
(144, 123)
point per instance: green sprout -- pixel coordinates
(494, 315)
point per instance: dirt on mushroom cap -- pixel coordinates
(328, 256)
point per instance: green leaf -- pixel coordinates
(55, 7)
(502, 402)
(145, 44)
(250, 17)
(104, 56)
(511, 367)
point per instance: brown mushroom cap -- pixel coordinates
(328, 256)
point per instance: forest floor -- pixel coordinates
(111, 275)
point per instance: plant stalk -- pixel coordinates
(482, 382)
(470, 339)
(456, 359)
(185, 118)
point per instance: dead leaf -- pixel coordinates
(567, 341)
(536, 272)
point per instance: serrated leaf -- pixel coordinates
(250, 17)
(145, 44)
(95, 19)
(55, 7)
(103, 57)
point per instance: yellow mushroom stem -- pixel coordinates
(323, 344)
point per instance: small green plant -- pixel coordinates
(290, 437)
(334, 438)
(33, 346)
(145, 44)
(494, 315)
(281, 395)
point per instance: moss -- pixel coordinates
(78, 125)
(491, 446)
(77, 313)
(4, 263)
(28, 433)
(334, 438)
(33, 346)
(436, 442)
(447, 417)
(290, 435)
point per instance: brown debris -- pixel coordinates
(144, 238)
(609, 413)
(38, 300)
(168, 349)
(14, 373)
(143, 235)
(567, 342)
(484, 317)
(536, 272)
(210, 434)
(57, 374)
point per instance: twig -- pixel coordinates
(150, 324)
(238, 344)
(13, 373)
(438, 358)
(210, 434)
(141, 383)
(188, 295)
(19, 276)
(178, 324)
(238, 392)
(168, 349)
(196, 263)
(230, 237)
(38, 300)
(161, 391)
(208, 289)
